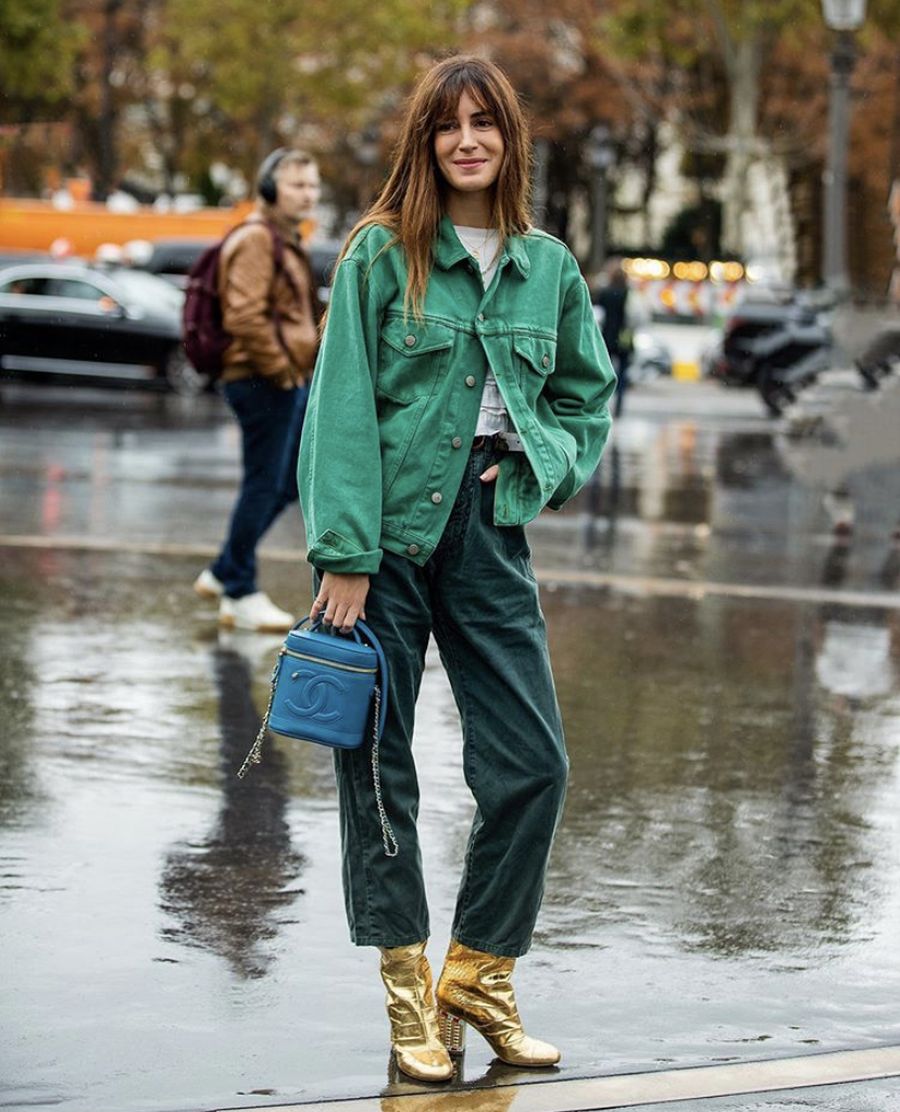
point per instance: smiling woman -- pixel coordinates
(461, 386)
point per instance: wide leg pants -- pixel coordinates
(478, 595)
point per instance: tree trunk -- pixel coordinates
(107, 163)
(742, 141)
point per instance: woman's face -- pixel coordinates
(468, 147)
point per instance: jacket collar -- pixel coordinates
(448, 251)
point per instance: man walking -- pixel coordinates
(271, 310)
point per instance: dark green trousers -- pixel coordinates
(478, 595)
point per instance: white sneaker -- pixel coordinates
(256, 611)
(207, 586)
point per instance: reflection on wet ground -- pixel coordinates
(224, 890)
(726, 884)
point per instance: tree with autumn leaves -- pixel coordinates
(740, 81)
(158, 90)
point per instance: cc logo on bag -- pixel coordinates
(316, 696)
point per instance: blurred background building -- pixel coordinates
(680, 130)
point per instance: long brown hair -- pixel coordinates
(411, 202)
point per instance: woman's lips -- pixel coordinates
(470, 162)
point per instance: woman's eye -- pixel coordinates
(446, 125)
(484, 122)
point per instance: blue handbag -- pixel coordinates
(327, 688)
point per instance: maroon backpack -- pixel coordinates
(205, 338)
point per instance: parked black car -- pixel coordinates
(94, 323)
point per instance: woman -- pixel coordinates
(462, 385)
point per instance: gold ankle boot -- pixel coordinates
(415, 1038)
(475, 988)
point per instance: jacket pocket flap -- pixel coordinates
(539, 353)
(411, 337)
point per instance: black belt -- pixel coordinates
(500, 441)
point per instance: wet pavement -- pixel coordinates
(726, 882)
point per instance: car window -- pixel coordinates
(147, 290)
(21, 286)
(76, 288)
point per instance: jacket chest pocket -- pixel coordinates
(412, 355)
(534, 359)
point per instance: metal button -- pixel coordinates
(413, 550)
(456, 441)
(545, 362)
(470, 380)
(481, 316)
(437, 497)
(410, 341)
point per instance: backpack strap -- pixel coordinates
(278, 256)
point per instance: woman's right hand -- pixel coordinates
(342, 598)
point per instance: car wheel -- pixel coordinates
(182, 376)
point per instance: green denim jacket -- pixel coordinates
(395, 400)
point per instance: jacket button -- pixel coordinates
(470, 380)
(456, 441)
(545, 362)
(481, 316)
(410, 341)
(413, 550)
(437, 497)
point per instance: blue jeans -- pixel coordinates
(271, 422)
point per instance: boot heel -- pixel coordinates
(453, 1032)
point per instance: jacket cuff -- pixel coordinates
(564, 492)
(330, 553)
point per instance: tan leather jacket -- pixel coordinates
(273, 316)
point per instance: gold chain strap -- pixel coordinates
(255, 754)
(387, 834)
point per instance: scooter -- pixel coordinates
(779, 347)
(792, 358)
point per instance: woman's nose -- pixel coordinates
(467, 140)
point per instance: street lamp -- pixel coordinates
(845, 17)
(601, 155)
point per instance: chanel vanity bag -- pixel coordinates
(332, 690)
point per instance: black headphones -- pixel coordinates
(266, 186)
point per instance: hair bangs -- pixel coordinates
(471, 79)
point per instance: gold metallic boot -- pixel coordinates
(475, 988)
(415, 1038)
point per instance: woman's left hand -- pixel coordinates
(491, 474)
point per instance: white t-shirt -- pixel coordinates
(483, 244)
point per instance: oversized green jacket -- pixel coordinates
(394, 400)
